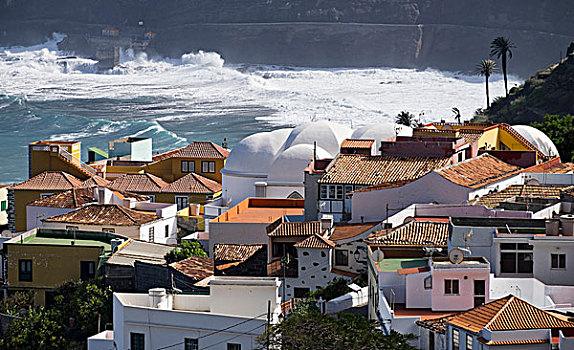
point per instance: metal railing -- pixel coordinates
(72, 159)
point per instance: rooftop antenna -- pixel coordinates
(224, 143)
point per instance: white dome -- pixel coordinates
(381, 131)
(255, 153)
(289, 165)
(538, 138)
(328, 136)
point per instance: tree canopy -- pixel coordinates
(307, 328)
(560, 129)
(187, 249)
(405, 118)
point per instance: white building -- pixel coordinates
(152, 222)
(232, 316)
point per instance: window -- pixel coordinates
(332, 192)
(110, 230)
(137, 341)
(182, 202)
(431, 340)
(460, 156)
(187, 166)
(479, 292)
(44, 195)
(72, 228)
(455, 341)
(301, 292)
(151, 237)
(151, 197)
(25, 270)
(4, 206)
(468, 342)
(451, 287)
(515, 258)
(428, 282)
(208, 167)
(191, 344)
(558, 261)
(166, 231)
(341, 257)
(233, 346)
(87, 270)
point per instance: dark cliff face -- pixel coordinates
(446, 34)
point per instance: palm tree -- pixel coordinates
(486, 68)
(405, 118)
(500, 47)
(456, 113)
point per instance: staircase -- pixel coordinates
(78, 164)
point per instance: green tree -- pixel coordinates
(405, 118)
(17, 302)
(335, 288)
(456, 113)
(187, 249)
(560, 129)
(486, 68)
(500, 48)
(37, 329)
(307, 328)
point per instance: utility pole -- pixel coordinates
(268, 322)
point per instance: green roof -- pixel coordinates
(99, 151)
(33, 239)
(389, 265)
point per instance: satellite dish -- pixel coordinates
(6, 233)
(378, 255)
(456, 256)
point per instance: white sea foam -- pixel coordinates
(199, 84)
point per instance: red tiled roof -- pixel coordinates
(104, 214)
(49, 180)
(73, 198)
(193, 183)
(413, 233)
(235, 252)
(344, 273)
(197, 267)
(470, 135)
(315, 241)
(138, 183)
(531, 191)
(513, 342)
(196, 149)
(411, 270)
(345, 231)
(552, 166)
(304, 228)
(375, 170)
(96, 181)
(479, 171)
(507, 314)
(357, 143)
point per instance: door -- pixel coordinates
(479, 292)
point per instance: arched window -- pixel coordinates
(295, 195)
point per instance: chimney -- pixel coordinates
(326, 222)
(158, 299)
(115, 243)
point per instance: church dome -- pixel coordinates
(255, 153)
(538, 139)
(289, 165)
(381, 131)
(328, 136)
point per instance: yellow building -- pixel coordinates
(203, 158)
(57, 156)
(41, 260)
(39, 186)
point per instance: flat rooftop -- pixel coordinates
(390, 265)
(425, 314)
(261, 210)
(35, 240)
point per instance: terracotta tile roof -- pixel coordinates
(196, 149)
(286, 229)
(357, 143)
(138, 183)
(96, 181)
(471, 135)
(479, 171)
(137, 197)
(509, 129)
(344, 273)
(412, 270)
(193, 183)
(346, 231)
(197, 267)
(413, 233)
(507, 314)
(374, 170)
(235, 252)
(49, 180)
(105, 214)
(73, 198)
(532, 191)
(552, 166)
(315, 241)
(513, 342)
